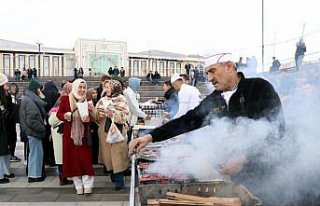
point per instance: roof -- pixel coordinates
(7, 45)
(164, 54)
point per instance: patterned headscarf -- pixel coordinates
(116, 88)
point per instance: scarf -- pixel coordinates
(77, 128)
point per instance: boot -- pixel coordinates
(119, 180)
(112, 177)
(63, 180)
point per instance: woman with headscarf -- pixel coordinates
(113, 156)
(77, 159)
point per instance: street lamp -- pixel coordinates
(39, 65)
(262, 52)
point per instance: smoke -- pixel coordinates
(295, 159)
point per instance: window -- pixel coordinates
(179, 65)
(143, 64)
(171, 65)
(154, 64)
(161, 65)
(32, 61)
(55, 61)
(46, 62)
(6, 61)
(22, 61)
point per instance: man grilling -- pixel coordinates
(234, 96)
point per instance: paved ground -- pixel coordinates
(21, 193)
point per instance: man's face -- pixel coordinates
(219, 75)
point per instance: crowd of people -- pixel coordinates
(25, 74)
(94, 125)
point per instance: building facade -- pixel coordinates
(94, 56)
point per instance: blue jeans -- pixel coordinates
(35, 159)
(4, 165)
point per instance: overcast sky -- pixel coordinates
(190, 27)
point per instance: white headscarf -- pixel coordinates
(77, 128)
(75, 86)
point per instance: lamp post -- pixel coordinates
(39, 52)
(262, 52)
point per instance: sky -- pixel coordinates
(201, 27)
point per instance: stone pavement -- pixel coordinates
(21, 193)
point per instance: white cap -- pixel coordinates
(219, 58)
(3, 79)
(175, 77)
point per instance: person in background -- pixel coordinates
(76, 156)
(11, 119)
(75, 73)
(132, 96)
(33, 124)
(51, 94)
(156, 77)
(4, 146)
(100, 88)
(189, 96)
(185, 79)
(24, 74)
(234, 96)
(80, 73)
(275, 65)
(113, 156)
(122, 72)
(172, 101)
(115, 72)
(56, 133)
(299, 54)
(92, 99)
(110, 71)
(150, 77)
(34, 73)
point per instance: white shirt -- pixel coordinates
(189, 98)
(227, 95)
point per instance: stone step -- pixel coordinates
(49, 192)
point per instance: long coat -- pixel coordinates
(114, 156)
(77, 159)
(4, 150)
(56, 137)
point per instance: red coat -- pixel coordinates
(77, 160)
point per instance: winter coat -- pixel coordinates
(77, 159)
(4, 149)
(56, 137)
(114, 156)
(51, 93)
(172, 102)
(32, 115)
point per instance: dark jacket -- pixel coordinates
(4, 149)
(255, 98)
(172, 102)
(32, 115)
(51, 93)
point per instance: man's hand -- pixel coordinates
(138, 143)
(234, 166)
